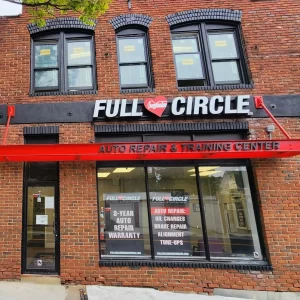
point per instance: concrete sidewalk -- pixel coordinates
(17, 290)
(123, 293)
(36, 291)
(31, 291)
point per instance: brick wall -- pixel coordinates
(11, 195)
(271, 38)
(270, 33)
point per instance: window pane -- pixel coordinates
(40, 242)
(45, 56)
(79, 53)
(188, 66)
(185, 44)
(226, 71)
(80, 77)
(46, 78)
(131, 50)
(229, 212)
(222, 46)
(175, 213)
(42, 171)
(133, 75)
(124, 227)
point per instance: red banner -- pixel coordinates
(151, 151)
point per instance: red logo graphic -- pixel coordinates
(156, 105)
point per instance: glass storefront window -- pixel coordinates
(124, 229)
(176, 198)
(229, 215)
(176, 226)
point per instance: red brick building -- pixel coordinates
(196, 189)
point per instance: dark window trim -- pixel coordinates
(92, 65)
(135, 264)
(218, 14)
(171, 163)
(217, 87)
(237, 59)
(136, 32)
(137, 91)
(175, 127)
(60, 39)
(257, 211)
(195, 31)
(202, 28)
(130, 20)
(151, 235)
(61, 23)
(44, 131)
(202, 214)
(56, 93)
(26, 185)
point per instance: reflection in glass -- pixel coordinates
(46, 78)
(229, 212)
(188, 66)
(175, 212)
(185, 44)
(40, 228)
(80, 77)
(79, 53)
(45, 56)
(124, 227)
(226, 71)
(222, 46)
(131, 50)
(133, 75)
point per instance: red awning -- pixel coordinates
(151, 151)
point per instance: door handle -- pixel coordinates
(54, 229)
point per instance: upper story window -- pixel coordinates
(134, 59)
(208, 54)
(63, 62)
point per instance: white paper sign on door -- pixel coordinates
(41, 220)
(49, 202)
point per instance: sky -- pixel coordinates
(9, 9)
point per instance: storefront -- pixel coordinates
(157, 148)
(171, 194)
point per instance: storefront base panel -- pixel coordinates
(193, 280)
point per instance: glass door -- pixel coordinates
(41, 230)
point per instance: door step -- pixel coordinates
(42, 279)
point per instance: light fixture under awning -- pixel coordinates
(151, 151)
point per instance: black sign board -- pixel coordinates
(170, 220)
(123, 231)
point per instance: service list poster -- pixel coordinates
(123, 231)
(170, 216)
